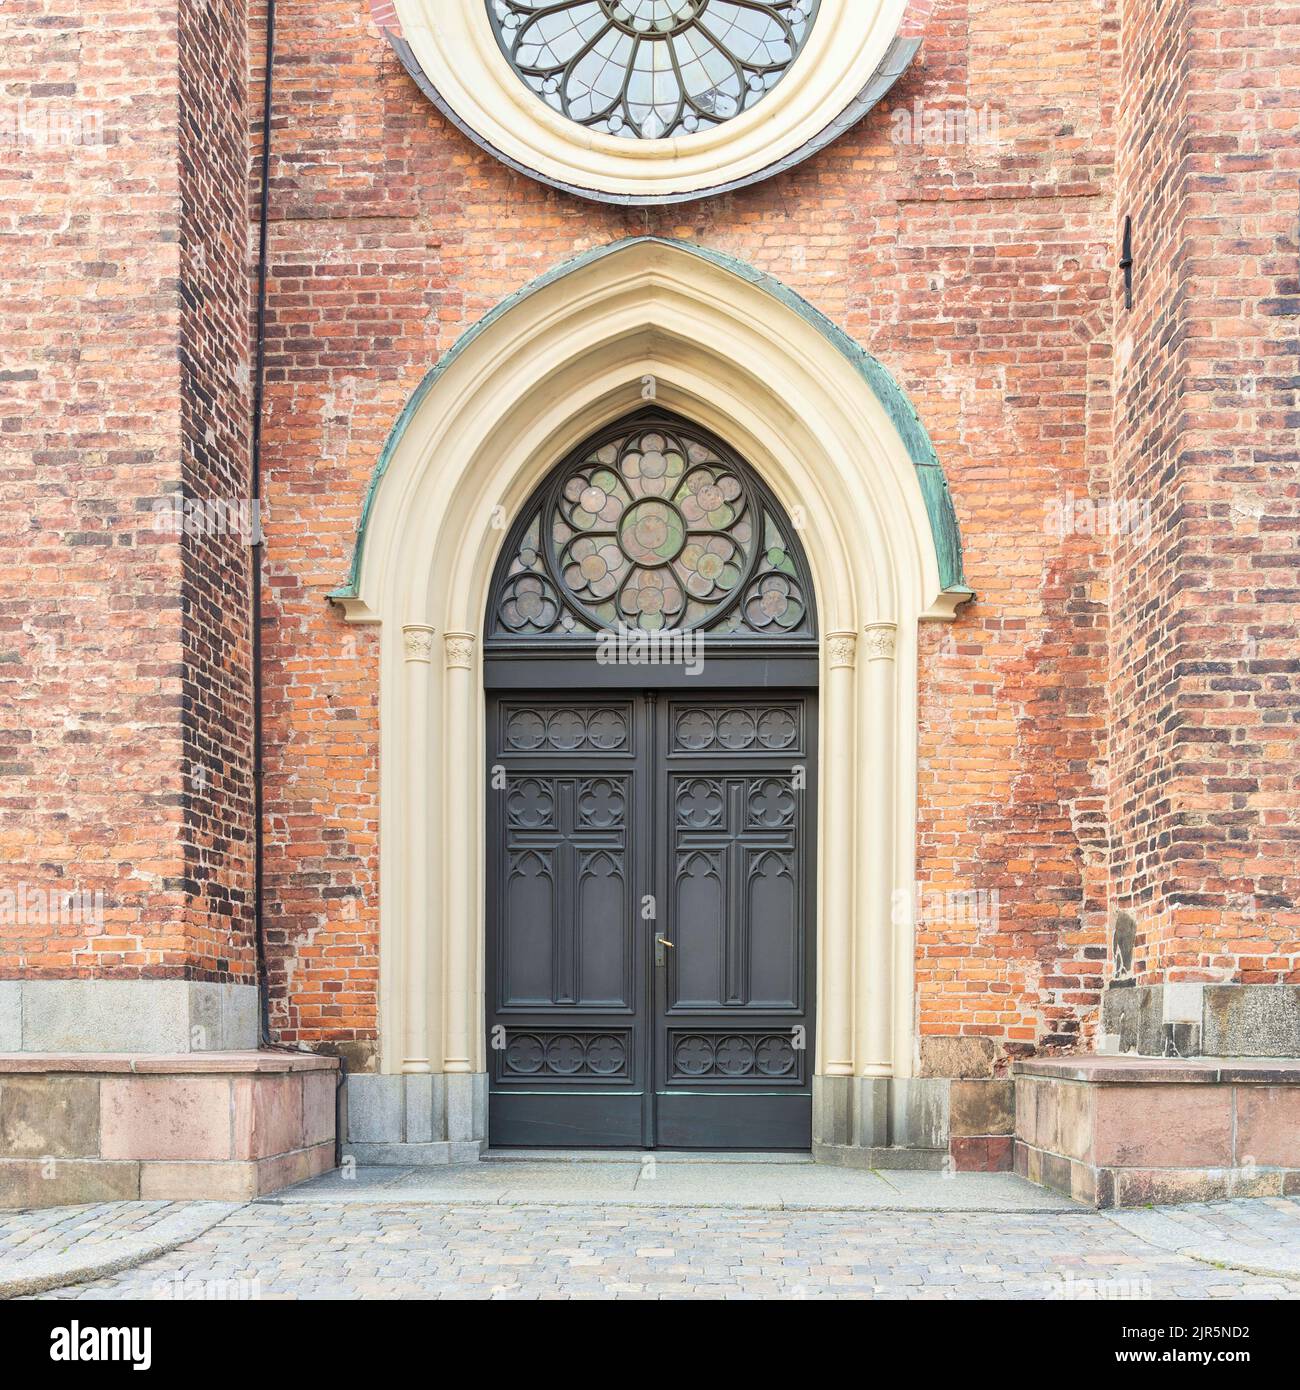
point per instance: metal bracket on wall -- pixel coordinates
(1126, 262)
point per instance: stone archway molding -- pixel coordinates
(855, 53)
(849, 461)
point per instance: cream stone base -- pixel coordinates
(416, 1120)
(114, 1127)
(958, 1125)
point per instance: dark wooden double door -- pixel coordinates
(650, 951)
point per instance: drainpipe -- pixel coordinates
(255, 598)
(259, 541)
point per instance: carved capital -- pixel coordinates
(417, 642)
(459, 650)
(841, 649)
(879, 642)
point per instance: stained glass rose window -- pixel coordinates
(651, 69)
(648, 103)
(653, 527)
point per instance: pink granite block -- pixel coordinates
(982, 1154)
(1075, 1119)
(1046, 1117)
(1083, 1183)
(37, 1182)
(162, 1117)
(319, 1090)
(286, 1169)
(1027, 1109)
(198, 1182)
(1268, 1125)
(187, 1063)
(268, 1115)
(1163, 1126)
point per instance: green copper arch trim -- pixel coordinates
(929, 471)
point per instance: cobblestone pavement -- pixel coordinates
(24, 1234)
(299, 1250)
(51, 1246)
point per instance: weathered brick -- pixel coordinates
(1109, 728)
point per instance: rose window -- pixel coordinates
(651, 69)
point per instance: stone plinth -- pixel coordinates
(219, 1126)
(1131, 1131)
(416, 1121)
(935, 1122)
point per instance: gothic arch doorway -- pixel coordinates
(836, 442)
(650, 664)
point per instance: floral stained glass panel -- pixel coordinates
(653, 529)
(651, 69)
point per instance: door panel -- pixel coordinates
(733, 1002)
(734, 902)
(529, 928)
(600, 1034)
(565, 949)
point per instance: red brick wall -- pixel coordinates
(122, 378)
(215, 463)
(1204, 661)
(988, 297)
(979, 273)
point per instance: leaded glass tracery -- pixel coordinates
(651, 69)
(653, 526)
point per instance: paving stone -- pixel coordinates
(603, 1251)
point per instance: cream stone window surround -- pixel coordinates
(578, 350)
(851, 57)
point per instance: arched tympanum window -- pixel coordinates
(653, 525)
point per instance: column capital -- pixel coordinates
(841, 649)
(417, 641)
(879, 641)
(459, 650)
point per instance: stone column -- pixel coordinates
(460, 774)
(873, 946)
(417, 644)
(837, 836)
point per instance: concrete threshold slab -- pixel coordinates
(708, 1183)
(638, 1156)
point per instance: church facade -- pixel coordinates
(690, 574)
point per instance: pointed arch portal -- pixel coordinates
(650, 324)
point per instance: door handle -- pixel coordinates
(660, 946)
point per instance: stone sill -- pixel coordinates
(171, 1064)
(1147, 1071)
